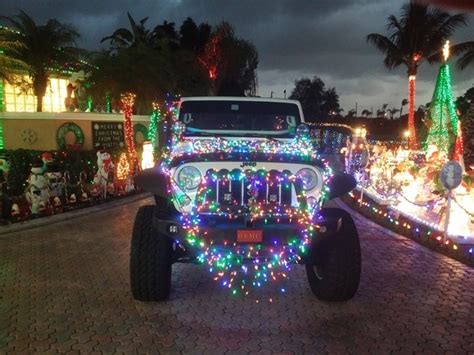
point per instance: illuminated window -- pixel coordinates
(19, 100)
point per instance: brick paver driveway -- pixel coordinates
(65, 287)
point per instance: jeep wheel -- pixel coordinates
(150, 259)
(333, 268)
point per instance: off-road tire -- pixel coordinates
(150, 259)
(334, 265)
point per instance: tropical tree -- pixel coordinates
(330, 105)
(467, 57)
(149, 63)
(8, 48)
(366, 113)
(317, 101)
(133, 37)
(351, 113)
(417, 36)
(403, 103)
(392, 112)
(194, 37)
(41, 48)
(231, 62)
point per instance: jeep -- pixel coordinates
(242, 189)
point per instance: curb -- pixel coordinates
(371, 223)
(35, 223)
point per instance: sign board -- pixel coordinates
(108, 135)
(451, 175)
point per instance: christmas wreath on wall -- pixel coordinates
(64, 129)
(142, 129)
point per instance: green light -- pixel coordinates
(152, 129)
(2, 109)
(90, 104)
(108, 104)
(442, 116)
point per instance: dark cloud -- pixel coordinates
(295, 38)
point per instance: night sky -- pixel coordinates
(294, 38)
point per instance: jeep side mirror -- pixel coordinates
(341, 184)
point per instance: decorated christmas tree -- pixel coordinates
(123, 167)
(442, 120)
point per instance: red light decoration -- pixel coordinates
(128, 99)
(411, 112)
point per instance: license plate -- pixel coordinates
(249, 236)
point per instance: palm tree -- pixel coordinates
(365, 113)
(467, 50)
(403, 103)
(8, 64)
(415, 37)
(351, 113)
(123, 37)
(41, 47)
(392, 112)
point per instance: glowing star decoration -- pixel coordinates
(128, 99)
(123, 167)
(147, 156)
(446, 51)
(153, 128)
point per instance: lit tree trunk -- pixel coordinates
(128, 100)
(411, 112)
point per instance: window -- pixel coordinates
(18, 100)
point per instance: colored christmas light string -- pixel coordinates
(128, 100)
(245, 267)
(393, 219)
(155, 119)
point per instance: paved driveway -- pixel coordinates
(65, 287)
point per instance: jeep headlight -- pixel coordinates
(309, 178)
(189, 178)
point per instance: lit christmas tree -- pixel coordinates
(442, 119)
(123, 167)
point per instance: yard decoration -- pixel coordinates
(104, 176)
(37, 192)
(442, 120)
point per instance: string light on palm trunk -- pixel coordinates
(2, 108)
(155, 119)
(411, 111)
(128, 100)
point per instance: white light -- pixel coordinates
(446, 51)
(147, 156)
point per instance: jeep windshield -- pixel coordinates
(239, 118)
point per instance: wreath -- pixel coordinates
(142, 129)
(69, 127)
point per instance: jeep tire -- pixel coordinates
(334, 264)
(150, 259)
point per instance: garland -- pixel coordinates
(138, 127)
(69, 127)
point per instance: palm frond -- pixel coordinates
(393, 55)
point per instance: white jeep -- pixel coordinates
(241, 189)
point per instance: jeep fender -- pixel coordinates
(154, 181)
